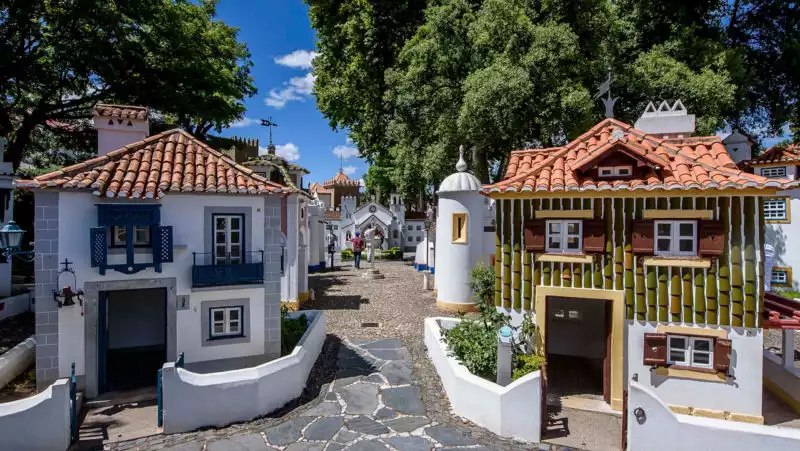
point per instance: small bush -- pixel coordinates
(347, 254)
(526, 363)
(292, 330)
(482, 282)
(475, 346)
(392, 254)
(787, 293)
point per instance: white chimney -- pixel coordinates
(119, 125)
(739, 146)
(666, 121)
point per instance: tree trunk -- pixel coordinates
(480, 166)
(22, 138)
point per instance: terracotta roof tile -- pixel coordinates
(341, 179)
(333, 215)
(172, 161)
(790, 153)
(686, 163)
(121, 111)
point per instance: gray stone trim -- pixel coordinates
(46, 276)
(208, 225)
(226, 287)
(273, 238)
(205, 331)
(91, 302)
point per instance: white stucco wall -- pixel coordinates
(186, 213)
(785, 238)
(194, 400)
(289, 280)
(16, 360)
(740, 394)
(113, 135)
(454, 261)
(662, 430)
(510, 411)
(39, 422)
(14, 305)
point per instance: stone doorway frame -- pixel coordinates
(617, 302)
(91, 303)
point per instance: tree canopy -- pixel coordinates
(60, 58)
(411, 80)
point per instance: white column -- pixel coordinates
(788, 349)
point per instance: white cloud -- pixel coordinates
(245, 122)
(345, 152)
(299, 59)
(362, 183)
(297, 88)
(288, 151)
(349, 170)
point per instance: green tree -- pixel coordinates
(60, 57)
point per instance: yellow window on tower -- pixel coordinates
(459, 227)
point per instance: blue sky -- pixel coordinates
(280, 38)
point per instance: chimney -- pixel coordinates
(667, 122)
(271, 149)
(119, 125)
(739, 146)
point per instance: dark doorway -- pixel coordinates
(577, 347)
(133, 338)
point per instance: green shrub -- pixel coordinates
(526, 363)
(347, 254)
(292, 330)
(481, 283)
(392, 254)
(787, 293)
(475, 346)
(473, 342)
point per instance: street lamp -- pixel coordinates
(430, 219)
(10, 238)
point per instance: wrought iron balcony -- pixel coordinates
(208, 270)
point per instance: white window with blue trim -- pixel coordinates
(226, 322)
(135, 235)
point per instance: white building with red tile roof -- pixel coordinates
(177, 248)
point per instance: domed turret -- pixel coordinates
(462, 180)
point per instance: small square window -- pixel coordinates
(676, 238)
(459, 233)
(781, 276)
(141, 236)
(226, 322)
(775, 172)
(776, 209)
(690, 351)
(564, 236)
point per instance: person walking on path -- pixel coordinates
(358, 247)
(331, 246)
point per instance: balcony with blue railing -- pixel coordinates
(209, 270)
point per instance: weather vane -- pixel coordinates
(605, 88)
(269, 123)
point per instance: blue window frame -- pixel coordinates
(226, 322)
(123, 226)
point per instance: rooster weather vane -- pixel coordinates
(608, 101)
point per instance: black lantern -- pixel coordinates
(67, 295)
(10, 237)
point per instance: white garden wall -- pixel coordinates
(16, 360)
(40, 422)
(741, 394)
(510, 411)
(785, 382)
(193, 400)
(14, 305)
(660, 429)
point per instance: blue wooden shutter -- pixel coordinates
(162, 248)
(98, 246)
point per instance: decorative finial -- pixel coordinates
(461, 166)
(605, 88)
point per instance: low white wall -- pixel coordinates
(664, 430)
(782, 378)
(510, 411)
(40, 422)
(740, 394)
(194, 400)
(14, 305)
(17, 360)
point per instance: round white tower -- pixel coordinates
(459, 238)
